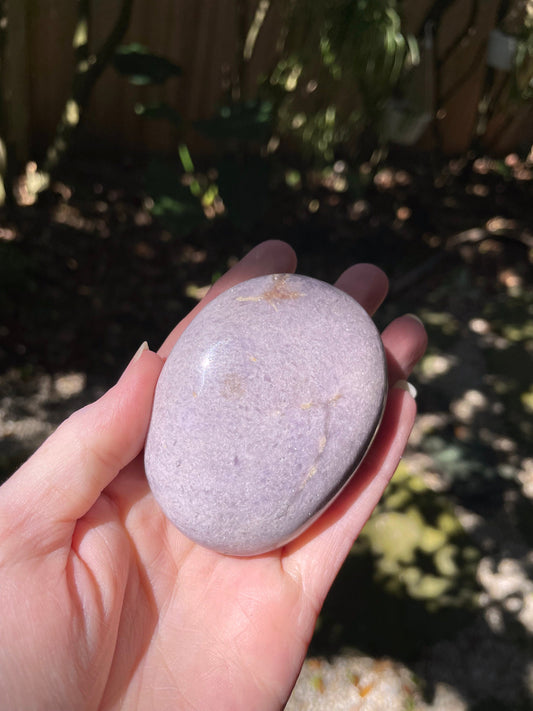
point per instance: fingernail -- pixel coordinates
(143, 347)
(404, 385)
(416, 318)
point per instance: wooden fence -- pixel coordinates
(201, 36)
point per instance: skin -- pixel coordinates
(105, 605)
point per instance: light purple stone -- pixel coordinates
(263, 410)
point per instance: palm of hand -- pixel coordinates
(120, 610)
(198, 629)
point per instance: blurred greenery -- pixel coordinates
(410, 578)
(240, 122)
(173, 203)
(142, 67)
(350, 48)
(523, 75)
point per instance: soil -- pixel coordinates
(88, 272)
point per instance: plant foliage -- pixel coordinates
(342, 60)
(143, 67)
(239, 121)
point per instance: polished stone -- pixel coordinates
(263, 411)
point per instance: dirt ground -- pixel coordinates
(434, 606)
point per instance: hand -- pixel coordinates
(105, 605)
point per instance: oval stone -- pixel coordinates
(263, 411)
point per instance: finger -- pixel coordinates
(66, 475)
(315, 558)
(366, 283)
(100, 563)
(269, 257)
(405, 341)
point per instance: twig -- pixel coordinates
(240, 62)
(261, 13)
(465, 76)
(81, 41)
(410, 278)
(88, 71)
(471, 236)
(435, 12)
(474, 10)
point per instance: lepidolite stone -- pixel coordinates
(263, 411)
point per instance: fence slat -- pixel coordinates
(16, 93)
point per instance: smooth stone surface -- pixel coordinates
(263, 410)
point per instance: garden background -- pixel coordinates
(146, 146)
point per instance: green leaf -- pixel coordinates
(159, 111)
(142, 67)
(414, 50)
(246, 121)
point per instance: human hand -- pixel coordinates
(105, 605)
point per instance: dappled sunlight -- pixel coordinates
(419, 544)
(32, 405)
(355, 682)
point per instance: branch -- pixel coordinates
(261, 13)
(480, 54)
(474, 10)
(115, 37)
(241, 65)
(475, 235)
(435, 12)
(88, 71)
(81, 33)
(503, 11)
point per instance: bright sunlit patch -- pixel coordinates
(478, 189)
(193, 291)
(358, 209)
(70, 384)
(509, 278)
(7, 234)
(497, 224)
(482, 166)
(403, 213)
(402, 177)
(384, 179)
(432, 366)
(466, 407)
(479, 325)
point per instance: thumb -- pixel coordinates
(67, 474)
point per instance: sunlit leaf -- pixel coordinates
(414, 50)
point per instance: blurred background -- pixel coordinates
(146, 145)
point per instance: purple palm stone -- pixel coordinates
(263, 411)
